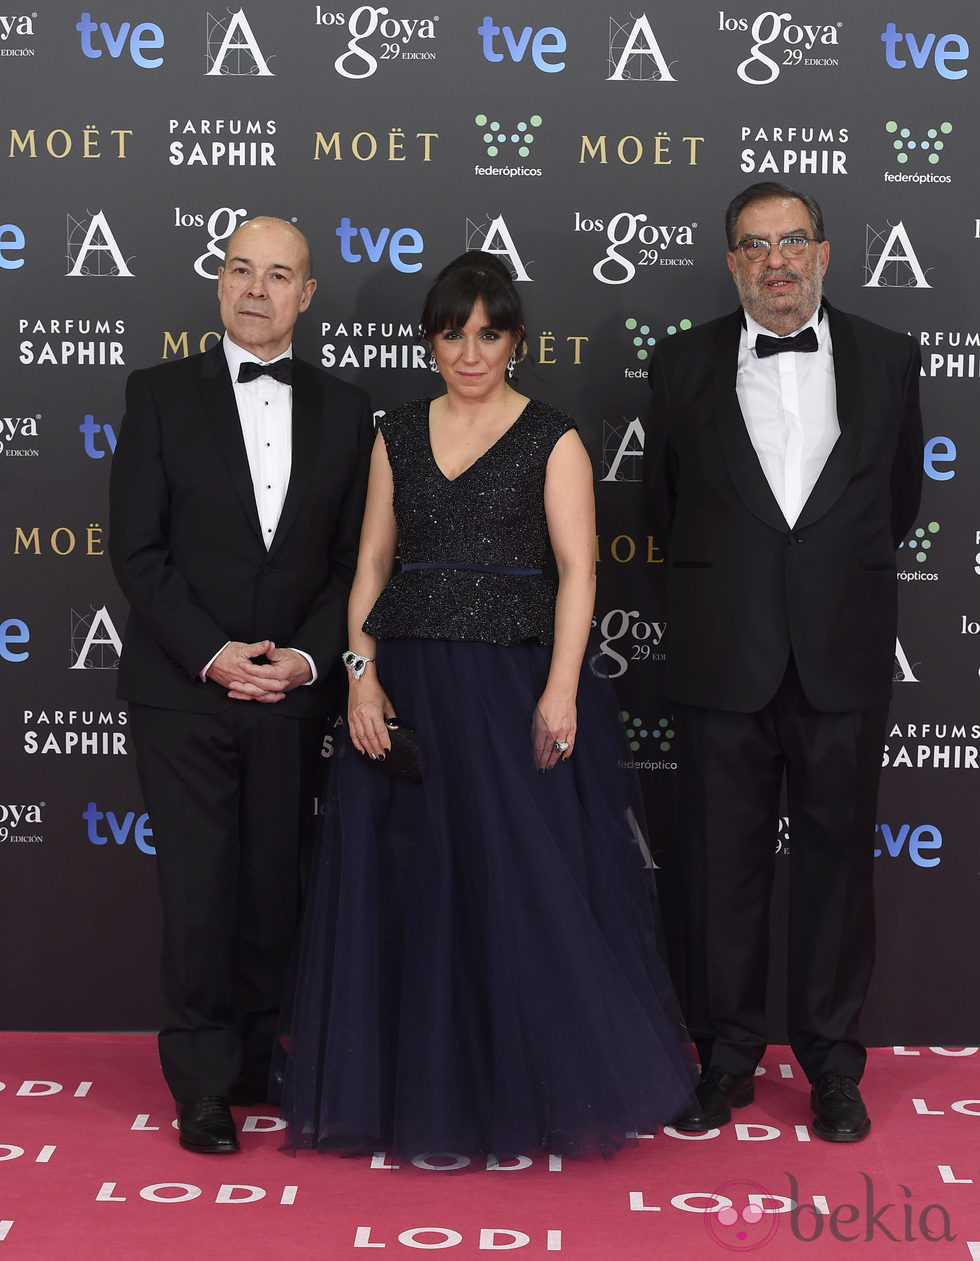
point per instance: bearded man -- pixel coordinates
(783, 469)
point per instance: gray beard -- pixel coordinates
(764, 310)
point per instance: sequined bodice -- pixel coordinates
(476, 561)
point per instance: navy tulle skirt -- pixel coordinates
(479, 970)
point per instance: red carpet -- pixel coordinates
(90, 1168)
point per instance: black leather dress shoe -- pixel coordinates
(206, 1125)
(839, 1112)
(717, 1093)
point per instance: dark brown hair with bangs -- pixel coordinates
(473, 276)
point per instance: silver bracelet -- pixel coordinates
(355, 663)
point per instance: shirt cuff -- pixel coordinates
(311, 663)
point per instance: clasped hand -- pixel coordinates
(234, 668)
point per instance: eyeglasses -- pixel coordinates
(755, 249)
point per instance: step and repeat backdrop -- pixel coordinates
(594, 147)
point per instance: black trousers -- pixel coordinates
(230, 797)
(733, 769)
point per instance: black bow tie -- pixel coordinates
(282, 370)
(805, 341)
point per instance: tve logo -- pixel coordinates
(139, 39)
(119, 828)
(922, 843)
(942, 51)
(548, 42)
(90, 430)
(13, 634)
(937, 452)
(12, 241)
(397, 244)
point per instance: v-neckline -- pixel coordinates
(483, 454)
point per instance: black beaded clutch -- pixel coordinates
(406, 757)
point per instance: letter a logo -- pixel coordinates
(97, 239)
(619, 447)
(903, 669)
(495, 238)
(236, 38)
(95, 632)
(897, 254)
(631, 59)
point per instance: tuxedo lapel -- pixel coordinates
(740, 456)
(839, 467)
(743, 463)
(218, 396)
(307, 432)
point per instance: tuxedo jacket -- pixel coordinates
(185, 540)
(744, 589)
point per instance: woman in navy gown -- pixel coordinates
(479, 970)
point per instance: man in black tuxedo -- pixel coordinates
(781, 476)
(236, 496)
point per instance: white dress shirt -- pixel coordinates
(265, 411)
(789, 405)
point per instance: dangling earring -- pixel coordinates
(511, 365)
(433, 366)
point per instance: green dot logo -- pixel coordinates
(637, 731)
(928, 146)
(644, 340)
(497, 137)
(920, 544)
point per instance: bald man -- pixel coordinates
(236, 496)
